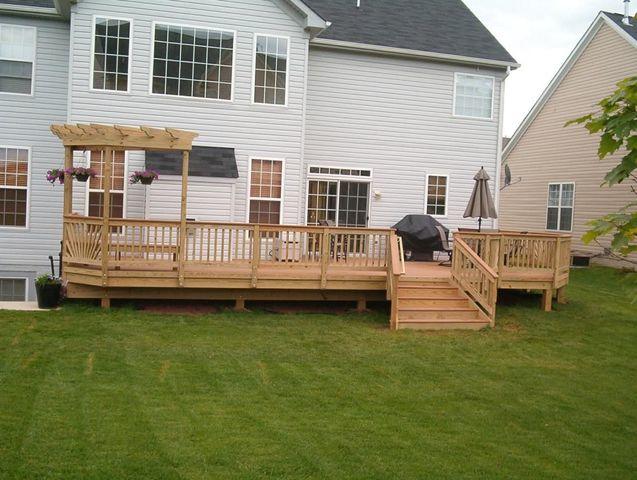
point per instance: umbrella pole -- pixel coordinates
(479, 224)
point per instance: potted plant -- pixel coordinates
(57, 174)
(81, 174)
(48, 288)
(145, 177)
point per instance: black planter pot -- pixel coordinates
(146, 180)
(82, 177)
(48, 295)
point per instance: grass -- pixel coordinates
(89, 394)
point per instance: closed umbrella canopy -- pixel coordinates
(481, 204)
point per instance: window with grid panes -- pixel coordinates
(111, 57)
(559, 215)
(193, 62)
(271, 68)
(14, 182)
(473, 96)
(266, 181)
(437, 195)
(96, 184)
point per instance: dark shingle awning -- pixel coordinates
(204, 162)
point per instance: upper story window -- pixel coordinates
(193, 62)
(559, 215)
(17, 55)
(14, 184)
(111, 54)
(437, 189)
(473, 96)
(271, 70)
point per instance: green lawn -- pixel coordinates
(87, 394)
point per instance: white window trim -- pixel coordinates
(338, 179)
(267, 199)
(182, 97)
(130, 57)
(28, 189)
(35, 55)
(26, 288)
(328, 176)
(448, 177)
(559, 207)
(254, 69)
(455, 84)
(88, 188)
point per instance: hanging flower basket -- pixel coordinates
(55, 175)
(145, 177)
(81, 174)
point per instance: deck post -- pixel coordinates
(325, 256)
(256, 254)
(106, 210)
(105, 302)
(68, 181)
(185, 156)
(547, 299)
(361, 305)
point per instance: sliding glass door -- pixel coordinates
(345, 203)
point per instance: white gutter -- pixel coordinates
(406, 52)
(9, 9)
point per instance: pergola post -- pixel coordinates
(106, 210)
(68, 181)
(184, 212)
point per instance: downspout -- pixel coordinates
(498, 166)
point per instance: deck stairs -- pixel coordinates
(430, 303)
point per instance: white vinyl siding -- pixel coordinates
(17, 57)
(271, 56)
(473, 96)
(112, 49)
(559, 212)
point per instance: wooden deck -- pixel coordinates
(143, 259)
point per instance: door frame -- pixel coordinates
(338, 179)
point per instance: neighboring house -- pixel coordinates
(306, 111)
(559, 168)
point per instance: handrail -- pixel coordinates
(479, 262)
(476, 279)
(395, 268)
(401, 250)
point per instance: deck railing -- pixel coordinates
(160, 245)
(511, 257)
(475, 277)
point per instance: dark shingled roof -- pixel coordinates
(629, 29)
(441, 26)
(204, 162)
(30, 3)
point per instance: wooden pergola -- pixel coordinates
(112, 138)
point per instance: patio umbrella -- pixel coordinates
(481, 203)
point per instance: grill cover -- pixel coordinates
(420, 233)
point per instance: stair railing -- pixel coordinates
(395, 268)
(475, 277)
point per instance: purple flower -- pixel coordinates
(144, 176)
(56, 174)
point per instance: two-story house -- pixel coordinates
(354, 111)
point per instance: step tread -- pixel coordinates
(444, 320)
(437, 309)
(420, 286)
(432, 297)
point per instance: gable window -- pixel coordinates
(437, 189)
(14, 184)
(270, 70)
(559, 215)
(111, 54)
(17, 55)
(95, 200)
(473, 96)
(266, 190)
(193, 62)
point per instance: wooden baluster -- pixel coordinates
(325, 255)
(256, 254)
